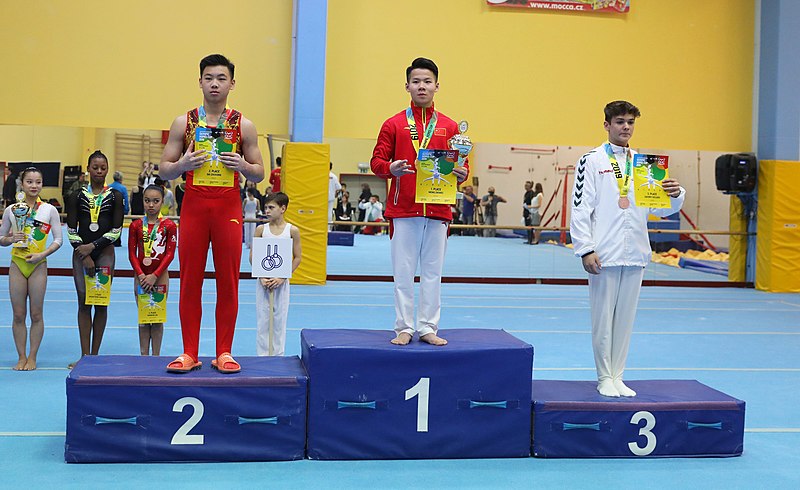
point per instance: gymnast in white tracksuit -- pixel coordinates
(609, 233)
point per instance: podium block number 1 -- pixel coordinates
(422, 391)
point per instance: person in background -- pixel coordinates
(526, 214)
(490, 202)
(366, 193)
(117, 184)
(250, 209)
(180, 190)
(535, 210)
(374, 212)
(9, 187)
(333, 190)
(148, 174)
(468, 208)
(275, 176)
(344, 212)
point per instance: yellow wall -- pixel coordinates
(522, 75)
(96, 63)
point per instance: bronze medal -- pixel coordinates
(624, 203)
(147, 261)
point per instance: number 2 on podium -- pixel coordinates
(422, 391)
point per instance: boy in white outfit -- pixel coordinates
(609, 234)
(274, 207)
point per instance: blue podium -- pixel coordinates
(129, 409)
(370, 399)
(667, 418)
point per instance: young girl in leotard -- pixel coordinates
(151, 248)
(27, 275)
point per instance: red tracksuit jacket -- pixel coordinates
(394, 143)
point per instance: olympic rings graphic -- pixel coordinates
(272, 260)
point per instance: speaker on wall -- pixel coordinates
(736, 172)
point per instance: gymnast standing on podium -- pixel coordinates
(211, 213)
(609, 234)
(418, 231)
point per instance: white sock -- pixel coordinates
(606, 388)
(622, 389)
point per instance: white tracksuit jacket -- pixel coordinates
(618, 236)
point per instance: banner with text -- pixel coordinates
(615, 6)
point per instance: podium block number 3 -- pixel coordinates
(646, 431)
(422, 391)
(182, 435)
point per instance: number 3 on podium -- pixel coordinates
(649, 423)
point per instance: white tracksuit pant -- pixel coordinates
(280, 315)
(420, 241)
(613, 294)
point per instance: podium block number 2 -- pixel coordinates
(182, 435)
(422, 391)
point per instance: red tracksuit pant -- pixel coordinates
(218, 222)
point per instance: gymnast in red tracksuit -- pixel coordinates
(151, 248)
(418, 231)
(211, 214)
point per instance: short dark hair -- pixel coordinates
(96, 154)
(620, 108)
(278, 198)
(423, 64)
(216, 60)
(278, 161)
(376, 196)
(155, 187)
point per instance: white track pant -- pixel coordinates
(280, 314)
(613, 294)
(420, 241)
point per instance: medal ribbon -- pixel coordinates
(95, 201)
(201, 116)
(622, 180)
(149, 237)
(429, 129)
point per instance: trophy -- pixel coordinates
(20, 211)
(461, 142)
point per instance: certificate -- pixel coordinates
(152, 305)
(649, 171)
(98, 286)
(214, 141)
(436, 183)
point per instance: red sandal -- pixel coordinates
(183, 364)
(226, 364)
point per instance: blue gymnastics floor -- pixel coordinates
(740, 341)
